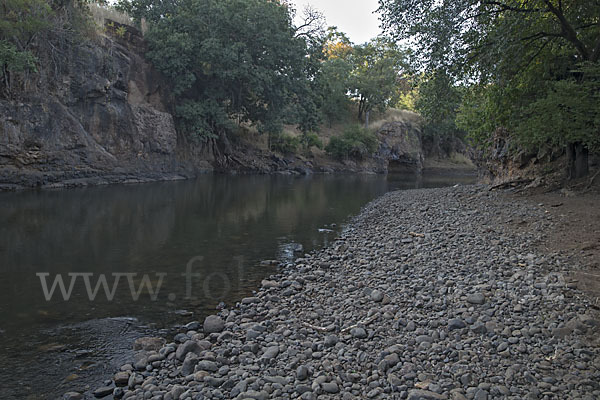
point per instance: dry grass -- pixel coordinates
(101, 13)
(394, 115)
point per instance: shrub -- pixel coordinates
(311, 139)
(285, 143)
(356, 142)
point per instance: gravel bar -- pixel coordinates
(427, 294)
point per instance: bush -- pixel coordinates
(284, 143)
(356, 142)
(311, 139)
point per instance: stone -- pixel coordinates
(103, 391)
(253, 394)
(121, 378)
(269, 284)
(331, 340)
(72, 396)
(207, 365)
(189, 364)
(271, 352)
(359, 333)
(302, 373)
(376, 295)
(213, 324)
(191, 346)
(456, 323)
(476, 298)
(148, 343)
(330, 387)
(419, 394)
(250, 300)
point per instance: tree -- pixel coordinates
(231, 60)
(498, 44)
(333, 76)
(20, 23)
(438, 100)
(375, 75)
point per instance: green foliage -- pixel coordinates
(356, 142)
(334, 81)
(202, 119)
(311, 139)
(285, 143)
(14, 60)
(234, 58)
(564, 111)
(22, 20)
(373, 82)
(527, 66)
(437, 100)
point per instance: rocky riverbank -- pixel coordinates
(428, 294)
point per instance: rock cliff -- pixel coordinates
(104, 115)
(105, 118)
(400, 148)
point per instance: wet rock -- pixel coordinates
(148, 343)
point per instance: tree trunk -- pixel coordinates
(577, 160)
(367, 120)
(361, 109)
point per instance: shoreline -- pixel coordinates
(428, 294)
(54, 181)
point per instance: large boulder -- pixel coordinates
(400, 148)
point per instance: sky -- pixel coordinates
(353, 17)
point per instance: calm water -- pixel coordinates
(219, 228)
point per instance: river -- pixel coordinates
(197, 244)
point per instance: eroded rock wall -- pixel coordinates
(104, 118)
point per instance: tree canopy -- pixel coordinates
(232, 60)
(519, 61)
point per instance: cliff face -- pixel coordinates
(401, 149)
(104, 118)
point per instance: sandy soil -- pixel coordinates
(576, 232)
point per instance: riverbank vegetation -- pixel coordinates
(524, 71)
(233, 66)
(251, 63)
(529, 68)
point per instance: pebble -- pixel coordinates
(103, 391)
(476, 298)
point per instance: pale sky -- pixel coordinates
(353, 17)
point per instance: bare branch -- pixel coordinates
(313, 23)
